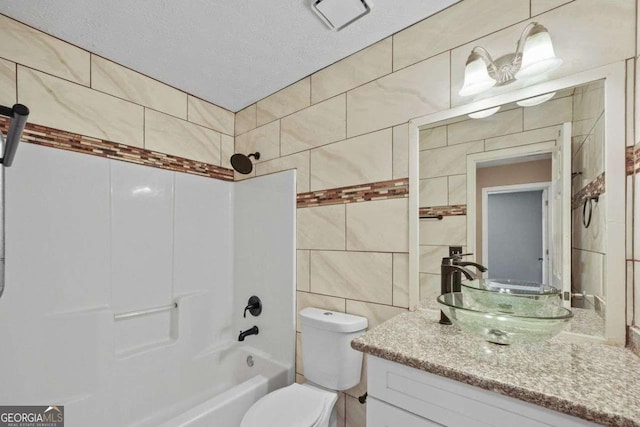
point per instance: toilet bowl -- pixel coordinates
(330, 366)
(293, 406)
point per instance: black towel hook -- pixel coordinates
(586, 216)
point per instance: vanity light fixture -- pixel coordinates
(534, 56)
(536, 100)
(484, 113)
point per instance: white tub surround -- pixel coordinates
(120, 277)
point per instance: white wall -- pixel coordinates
(264, 264)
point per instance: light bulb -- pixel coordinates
(538, 56)
(484, 113)
(536, 100)
(476, 77)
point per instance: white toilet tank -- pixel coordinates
(327, 357)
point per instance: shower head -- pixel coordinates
(243, 164)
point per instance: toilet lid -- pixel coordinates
(292, 406)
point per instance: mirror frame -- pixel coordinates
(615, 94)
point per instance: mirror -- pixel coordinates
(521, 185)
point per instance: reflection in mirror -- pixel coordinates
(527, 183)
(512, 217)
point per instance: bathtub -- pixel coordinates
(218, 388)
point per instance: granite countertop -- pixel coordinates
(596, 382)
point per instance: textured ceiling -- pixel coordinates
(231, 53)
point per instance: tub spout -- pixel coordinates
(252, 331)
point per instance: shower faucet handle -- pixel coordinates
(254, 307)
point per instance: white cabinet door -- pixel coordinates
(454, 404)
(380, 414)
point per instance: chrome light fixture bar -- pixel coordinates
(534, 56)
(18, 115)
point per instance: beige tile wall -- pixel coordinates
(394, 98)
(71, 89)
(265, 139)
(288, 100)
(362, 67)
(415, 72)
(62, 104)
(168, 134)
(35, 49)
(366, 158)
(210, 115)
(7, 82)
(588, 244)
(111, 78)
(312, 127)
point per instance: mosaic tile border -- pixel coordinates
(595, 187)
(451, 210)
(356, 193)
(634, 152)
(55, 138)
(630, 159)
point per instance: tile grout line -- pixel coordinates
(530, 16)
(279, 139)
(144, 128)
(353, 299)
(393, 259)
(309, 263)
(16, 80)
(345, 227)
(450, 78)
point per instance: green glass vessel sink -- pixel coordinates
(510, 296)
(503, 328)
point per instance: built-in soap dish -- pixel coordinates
(145, 330)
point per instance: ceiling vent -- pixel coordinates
(338, 14)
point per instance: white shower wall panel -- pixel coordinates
(203, 256)
(141, 236)
(264, 263)
(57, 216)
(55, 304)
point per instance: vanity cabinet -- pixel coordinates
(400, 396)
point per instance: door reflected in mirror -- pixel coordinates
(512, 217)
(522, 189)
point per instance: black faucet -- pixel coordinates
(252, 331)
(461, 263)
(451, 271)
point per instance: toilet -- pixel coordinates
(330, 365)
